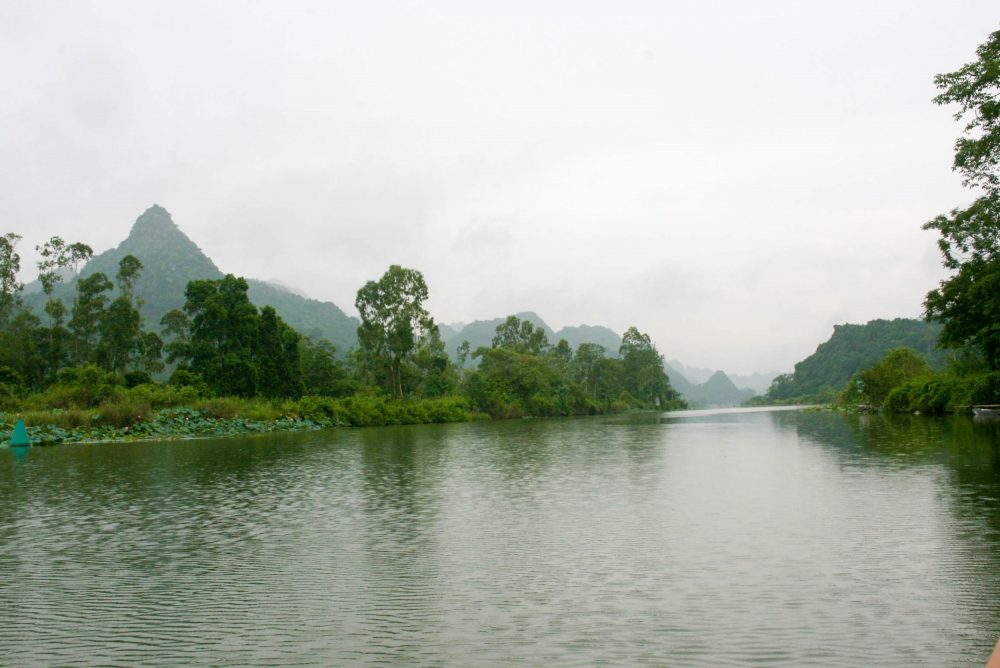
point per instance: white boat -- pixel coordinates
(992, 411)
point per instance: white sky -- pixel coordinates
(733, 178)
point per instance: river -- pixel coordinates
(700, 538)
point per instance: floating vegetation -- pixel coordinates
(240, 417)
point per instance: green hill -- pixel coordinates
(170, 260)
(850, 349)
(481, 332)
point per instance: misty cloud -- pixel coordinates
(731, 178)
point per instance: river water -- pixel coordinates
(689, 539)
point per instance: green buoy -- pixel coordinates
(20, 435)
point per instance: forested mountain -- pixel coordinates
(481, 332)
(170, 260)
(851, 349)
(679, 381)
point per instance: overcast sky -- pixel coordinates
(733, 178)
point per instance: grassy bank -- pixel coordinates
(96, 413)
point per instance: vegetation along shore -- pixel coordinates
(86, 367)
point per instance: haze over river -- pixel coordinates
(688, 539)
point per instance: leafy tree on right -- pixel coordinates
(968, 303)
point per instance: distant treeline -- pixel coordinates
(95, 362)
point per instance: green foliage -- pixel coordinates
(821, 376)
(87, 386)
(224, 331)
(975, 88)
(87, 316)
(521, 336)
(523, 375)
(968, 303)
(400, 346)
(643, 376)
(277, 356)
(873, 385)
(10, 287)
(322, 373)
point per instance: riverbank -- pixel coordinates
(228, 416)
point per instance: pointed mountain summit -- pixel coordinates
(171, 260)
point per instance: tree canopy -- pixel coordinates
(968, 303)
(397, 337)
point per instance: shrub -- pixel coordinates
(123, 413)
(165, 396)
(985, 389)
(65, 419)
(219, 407)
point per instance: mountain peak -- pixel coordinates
(156, 223)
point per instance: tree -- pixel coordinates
(394, 324)
(874, 384)
(56, 255)
(643, 374)
(968, 303)
(129, 268)
(587, 366)
(277, 356)
(223, 335)
(124, 345)
(322, 373)
(88, 311)
(10, 287)
(522, 336)
(975, 88)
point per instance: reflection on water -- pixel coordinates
(695, 538)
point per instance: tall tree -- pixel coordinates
(968, 303)
(277, 355)
(644, 376)
(124, 346)
(55, 255)
(394, 324)
(223, 335)
(522, 336)
(88, 312)
(10, 287)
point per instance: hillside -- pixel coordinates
(850, 349)
(717, 390)
(170, 260)
(481, 333)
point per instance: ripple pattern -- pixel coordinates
(699, 539)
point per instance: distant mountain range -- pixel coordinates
(758, 382)
(716, 390)
(170, 260)
(481, 332)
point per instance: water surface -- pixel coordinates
(687, 539)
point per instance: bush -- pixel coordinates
(65, 419)
(133, 378)
(80, 387)
(185, 378)
(222, 408)
(165, 396)
(123, 413)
